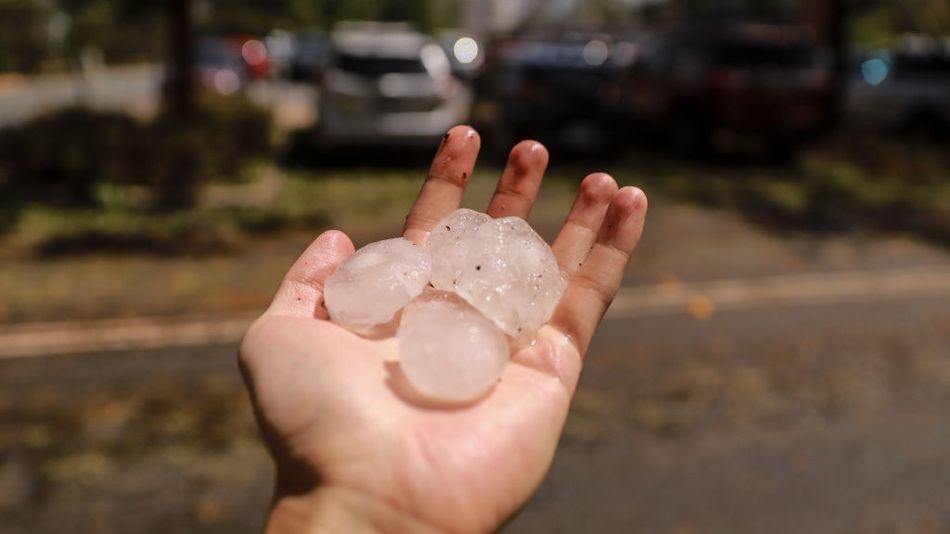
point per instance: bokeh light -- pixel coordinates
(254, 52)
(595, 53)
(466, 50)
(226, 82)
(875, 71)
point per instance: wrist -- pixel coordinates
(334, 509)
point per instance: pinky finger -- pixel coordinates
(592, 289)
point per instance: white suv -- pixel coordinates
(388, 85)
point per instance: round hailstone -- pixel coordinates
(502, 267)
(448, 246)
(512, 276)
(376, 282)
(448, 350)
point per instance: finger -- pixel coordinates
(520, 181)
(579, 232)
(442, 191)
(301, 292)
(593, 287)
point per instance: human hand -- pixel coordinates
(354, 450)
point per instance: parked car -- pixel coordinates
(310, 57)
(905, 90)
(255, 55)
(218, 66)
(281, 48)
(388, 85)
(225, 65)
(562, 91)
(730, 87)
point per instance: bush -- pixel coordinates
(60, 158)
(23, 37)
(223, 136)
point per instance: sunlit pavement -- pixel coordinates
(787, 413)
(134, 89)
(670, 299)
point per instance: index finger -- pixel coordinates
(442, 191)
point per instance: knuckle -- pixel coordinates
(604, 293)
(419, 220)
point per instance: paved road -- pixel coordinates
(789, 416)
(698, 300)
(134, 89)
(825, 418)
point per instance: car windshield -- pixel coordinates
(378, 66)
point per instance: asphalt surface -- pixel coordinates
(811, 418)
(134, 89)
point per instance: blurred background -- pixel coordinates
(778, 359)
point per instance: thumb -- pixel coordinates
(301, 292)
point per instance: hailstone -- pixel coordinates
(448, 244)
(502, 267)
(372, 285)
(448, 350)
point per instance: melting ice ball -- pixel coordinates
(376, 282)
(502, 267)
(449, 243)
(448, 350)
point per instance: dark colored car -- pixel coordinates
(563, 92)
(906, 91)
(218, 66)
(311, 56)
(255, 55)
(730, 87)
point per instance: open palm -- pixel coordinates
(355, 447)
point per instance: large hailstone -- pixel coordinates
(448, 350)
(449, 243)
(372, 285)
(502, 267)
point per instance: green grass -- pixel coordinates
(366, 203)
(852, 183)
(53, 232)
(871, 186)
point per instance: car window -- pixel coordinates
(377, 66)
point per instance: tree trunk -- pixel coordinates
(177, 186)
(180, 97)
(838, 42)
(830, 20)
